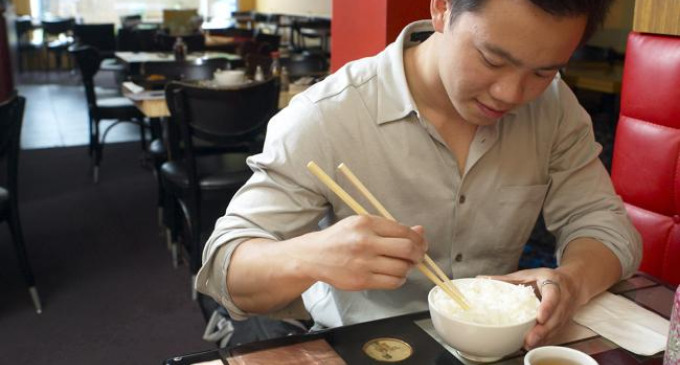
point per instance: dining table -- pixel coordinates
(152, 102)
(135, 61)
(412, 339)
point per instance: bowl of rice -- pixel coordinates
(500, 316)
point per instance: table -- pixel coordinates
(142, 57)
(595, 76)
(134, 61)
(349, 341)
(152, 102)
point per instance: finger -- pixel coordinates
(391, 266)
(550, 299)
(536, 337)
(400, 248)
(381, 281)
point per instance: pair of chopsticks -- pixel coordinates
(438, 276)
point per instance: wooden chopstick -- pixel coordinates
(374, 201)
(358, 209)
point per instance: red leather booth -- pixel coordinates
(646, 162)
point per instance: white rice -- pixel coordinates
(492, 302)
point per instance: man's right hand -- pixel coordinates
(362, 252)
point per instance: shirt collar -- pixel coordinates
(394, 97)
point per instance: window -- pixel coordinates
(97, 11)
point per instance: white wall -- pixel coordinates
(321, 8)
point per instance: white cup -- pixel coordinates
(230, 77)
(557, 355)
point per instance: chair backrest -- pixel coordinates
(130, 21)
(224, 116)
(23, 25)
(100, 36)
(136, 39)
(58, 26)
(313, 65)
(11, 118)
(88, 61)
(647, 149)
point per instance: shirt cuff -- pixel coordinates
(628, 266)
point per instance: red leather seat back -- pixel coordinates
(646, 162)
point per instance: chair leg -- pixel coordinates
(98, 151)
(18, 238)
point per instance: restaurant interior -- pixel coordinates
(109, 193)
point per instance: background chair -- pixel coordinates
(301, 65)
(189, 71)
(202, 183)
(57, 37)
(100, 36)
(118, 108)
(25, 44)
(647, 149)
(11, 116)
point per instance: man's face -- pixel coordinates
(502, 56)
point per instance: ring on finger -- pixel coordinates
(549, 282)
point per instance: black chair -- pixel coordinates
(137, 39)
(100, 36)
(301, 65)
(118, 108)
(312, 29)
(189, 71)
(25, 44)
(57, 38)
(11, 116)
(232, 120)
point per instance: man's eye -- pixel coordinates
(489, 63)
(545, 75)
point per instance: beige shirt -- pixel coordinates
(540, 158)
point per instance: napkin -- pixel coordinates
(134, 88)
(625, 323)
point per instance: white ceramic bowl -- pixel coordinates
(230, 77)
(547, 354)
(475, 341)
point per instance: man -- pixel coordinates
(465, 138)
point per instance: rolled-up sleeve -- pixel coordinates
(278, 202)
(581, 201)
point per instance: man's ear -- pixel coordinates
(440, 15)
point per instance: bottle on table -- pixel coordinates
(285, 79)
(259, 74)
(179, 49)
(276, 64)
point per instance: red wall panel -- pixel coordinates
(362, 28)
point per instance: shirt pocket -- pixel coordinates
(517, 212)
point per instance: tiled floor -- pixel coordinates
(56, 111)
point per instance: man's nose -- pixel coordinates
(509, 89)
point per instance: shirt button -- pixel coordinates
(459, 257)
(461, 199)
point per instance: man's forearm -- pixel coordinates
(591, 265)
(262, 277)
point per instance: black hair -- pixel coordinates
(596, 10)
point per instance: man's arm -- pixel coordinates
(357, 253)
